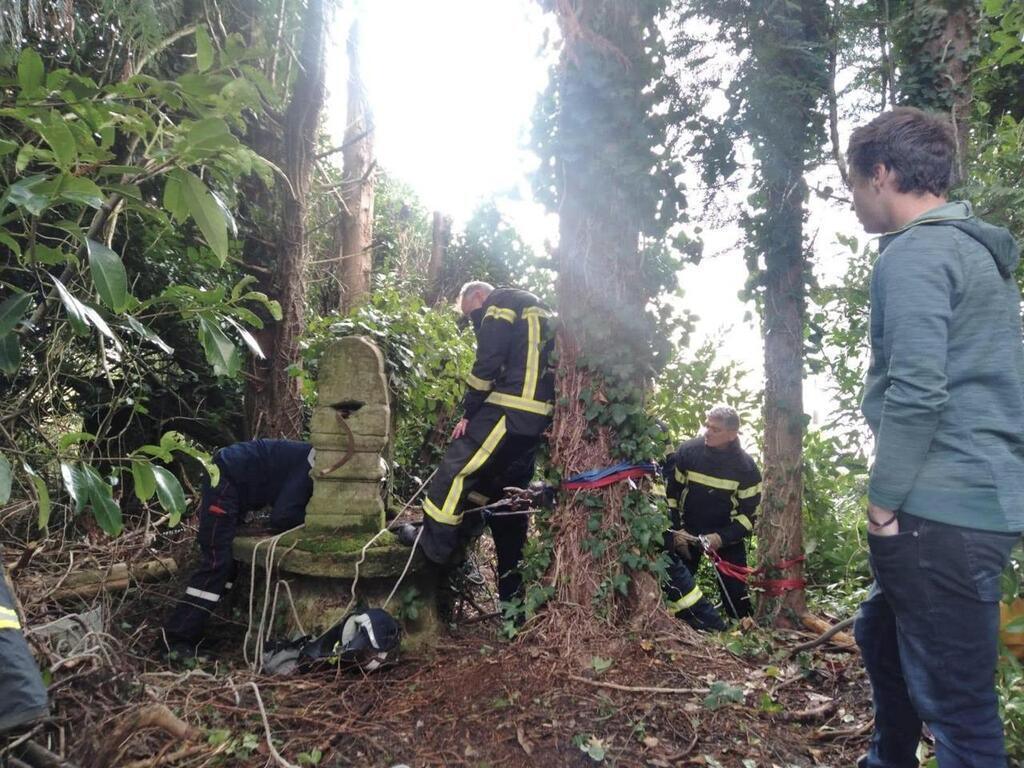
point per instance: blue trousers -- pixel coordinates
(928, 635)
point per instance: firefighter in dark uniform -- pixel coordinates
(713, 494)
(22, 693)
(507, 407)
(684, 598)
(253, 475)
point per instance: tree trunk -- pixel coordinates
(357, 195)
(603, 176)
(438, 245)
(274, 402)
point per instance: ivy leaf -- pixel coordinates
(172, 498)
(42, 495)
(13, 310)
(76, 485)
(30, 71)
(73, 438)
(108, 275)
(149, 335)
(5, 479)
(74, 308)
(101, 499)
(144, 480)
(207, 214)
(10, 354)
(220, 352)
(204, 50)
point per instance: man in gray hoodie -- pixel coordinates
(944, 397)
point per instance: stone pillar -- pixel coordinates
(321, 561)
(347, 500)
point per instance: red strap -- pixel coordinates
(607, 480)
(771, 587)
(215, 510)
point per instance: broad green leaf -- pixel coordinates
(42, 495)
(168, 491)
(108, 275)
(76, 485)
(77, 189)
(149, 335)
(10, 242)
(220, 352)
(207, 214)
(7, 146)
(24, 193)
(5, 479)
(74, 308)
(204, 50)
(209, 135)
(144, 480)
(10, 353)
(30, 71)
(241, 285)
(12, 310)
(56, 133)
(73, 438)
(248, 338)
(101, 499)
(101, 325)
(174, 197)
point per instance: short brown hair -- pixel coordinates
(918, 146)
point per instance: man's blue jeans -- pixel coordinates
(928, 635)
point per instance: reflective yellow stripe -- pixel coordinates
(535, 311)
(746, 493)
(500, 313)
(521, 403)
(477, 498)
(532, 355)
(744, 521)
(673, 503)
(680, 477)
(477, 383)
(657, 489)
(449, 514)
(686, 601)
(9, 619)
(713, 482)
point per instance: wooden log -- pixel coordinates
(828, 632)
(118, 576)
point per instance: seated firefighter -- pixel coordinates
(714, 489)
(507, 407)
(253, 475)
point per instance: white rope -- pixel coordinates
(256, 663)
(405, 570)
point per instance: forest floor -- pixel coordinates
(670, 699)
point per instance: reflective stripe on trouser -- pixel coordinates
(218, 520)
(480, 460)
(736, 589)
(685, 599)
(24, 695)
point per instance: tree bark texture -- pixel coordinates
(439, 236)
(357, 194)
(274, 402)
(601, 302)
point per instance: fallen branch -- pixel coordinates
(266, 727)
(637, 688)
(844, 733)
(116, 577)
(828, 632)
(810, 715)
(149, 716)
(171, 757)
(39, 756)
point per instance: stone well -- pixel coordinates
(346, 511)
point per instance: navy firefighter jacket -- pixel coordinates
(714, 490)
(269, 473)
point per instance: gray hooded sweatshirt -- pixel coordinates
(944, 394)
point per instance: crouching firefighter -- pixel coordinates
(253, 475)
(713, 494)
(22, 693)
(507, 407)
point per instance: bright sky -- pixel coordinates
(453, 84)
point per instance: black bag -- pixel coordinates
(365, 640)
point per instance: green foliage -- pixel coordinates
(722, 694)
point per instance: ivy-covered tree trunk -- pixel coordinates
(605, 182)
(787, 66)
(273, 399)
(936, 47)
(357, 196)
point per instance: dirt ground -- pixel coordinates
(673, 699)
